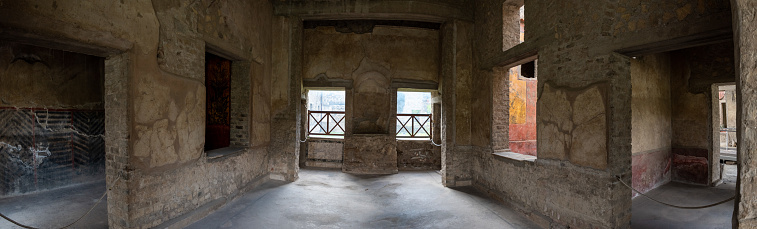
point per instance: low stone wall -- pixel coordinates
(370, 154)
(418, 155)
(324, 153)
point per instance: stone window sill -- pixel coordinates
(328, 137)
(413, 139)
(514, 157)
(224, 152)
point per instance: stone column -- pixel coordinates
(284, 150)
(745, 39)
(370, 147)
(117, 123)
(456, 74)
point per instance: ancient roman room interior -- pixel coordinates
(378, 114)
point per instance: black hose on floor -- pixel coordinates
(673, 205)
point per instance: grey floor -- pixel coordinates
(332, 199)
(57, 208)
(647, 214)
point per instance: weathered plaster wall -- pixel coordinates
(209, 26)
(458, 102)
(650, 121)
(37, 77)
(584, 115)
(156, 51)
(372, 60)
(51, 118)
(286, 98)
(417, 10)
(403, 52)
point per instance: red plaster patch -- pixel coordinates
(650, 170)
(690, 169)
(523, 147)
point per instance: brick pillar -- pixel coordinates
(285, 126)
(117, 123)
(745, 38)
(457, 68)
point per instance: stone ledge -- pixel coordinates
(224, 152)
(514, 157)
(326, 138)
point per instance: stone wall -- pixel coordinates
(377, 59)
(418, 155)
(370, 154)
(154, 100)
(745, 32)
(51, 118)
(398, 52)
(324, 153)
(650, 121)
(584, 115)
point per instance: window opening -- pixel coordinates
(522, 86)
(522, 23)
(728, 143)
(414, 115)
(218, 99)
(513, 25)
(326, 111)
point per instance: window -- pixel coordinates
(227, 104)
(723, 116)
(527, 71)
(522, 24)
(414, 115)
(514, 109)
(513, 25)
(218, 101)
(326, 113)
(522, 109)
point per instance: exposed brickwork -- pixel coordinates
(216, 180)
(418, 155)
(745, 38)
(324, 153)
(240, 104)
(117, 140)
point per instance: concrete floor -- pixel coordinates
(729, 174)
(647, 214)
(332, 199)
(57, 208)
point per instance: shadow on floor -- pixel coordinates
(332, 199)
(647, 214)
(57, 208)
